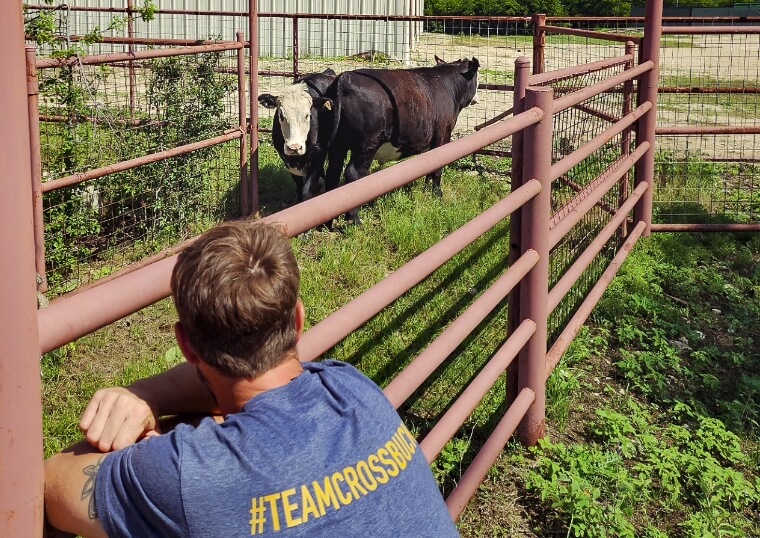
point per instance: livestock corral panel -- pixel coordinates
(708, 115)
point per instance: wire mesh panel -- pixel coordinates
(92, 117)
(562, 50)
(708, 165)
(574, 127)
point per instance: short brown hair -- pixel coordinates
(235, 289)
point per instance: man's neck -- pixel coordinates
(235, 393)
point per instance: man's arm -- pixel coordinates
(70, 491)
(117, 417)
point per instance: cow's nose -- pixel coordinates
(295, 148)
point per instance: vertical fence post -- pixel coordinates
(644, 171)
(625, 140)
(295, 48)
(131, 64)
(253, 67)
(522, 78)
(245, 188)
(539, 43)
(21, 492)
(33, 91)
(534, 290)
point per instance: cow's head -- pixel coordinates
(469, 70)
(295, 108)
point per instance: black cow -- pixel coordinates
(302, 127)
(389, 114)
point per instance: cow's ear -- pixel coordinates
(438, 60)
(323, 103)
(268, 100)
(329, 71)
(472, 67)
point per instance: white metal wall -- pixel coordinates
(321, 38)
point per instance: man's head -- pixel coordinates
(236, 290)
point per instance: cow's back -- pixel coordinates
(407, 107)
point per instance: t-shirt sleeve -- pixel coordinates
(138, 490)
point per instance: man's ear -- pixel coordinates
(300, 319)
(184, 344)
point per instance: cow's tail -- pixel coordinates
(340, 84)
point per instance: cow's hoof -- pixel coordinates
(438, 192)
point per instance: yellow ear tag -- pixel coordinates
(328, 105)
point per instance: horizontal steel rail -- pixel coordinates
(488, 455)
(574, 98)
(574, 272)
(452, 420)
(717, 227)
(541, 79)
(579, 318)
(577, 208)
(415, 373)
(597, 113)
(714, 89)
(707, 130)
(352, 315)
(621, 38)
(98, 59)
(703, 30)
(81, 177)
(573, 159)
(69, 318)
(496, 118)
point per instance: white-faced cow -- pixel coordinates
(389, 114)
(301, 129)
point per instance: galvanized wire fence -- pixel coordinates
(707, 80)
(93, 117)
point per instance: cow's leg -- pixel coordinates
(358, 167)
(336, 157)
(435, 177)
(299, 187)
(311, 187)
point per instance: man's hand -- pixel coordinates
(116, 418)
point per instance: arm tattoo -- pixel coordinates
(89, 487)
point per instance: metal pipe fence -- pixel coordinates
(569, 140)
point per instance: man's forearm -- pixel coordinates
(175, 392)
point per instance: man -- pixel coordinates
(311, 449)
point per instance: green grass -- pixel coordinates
(642, 433)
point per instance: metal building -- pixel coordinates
(323, 37)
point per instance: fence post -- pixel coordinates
(21, 492)
(33, 92)
(534, 290)
(245, 189)
(253, 67)
(131, 64)
(295, 48)
(522, 78)
(650, 50)
(539, 43)
(625, 141)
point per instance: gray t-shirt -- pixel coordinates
(324, 455)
